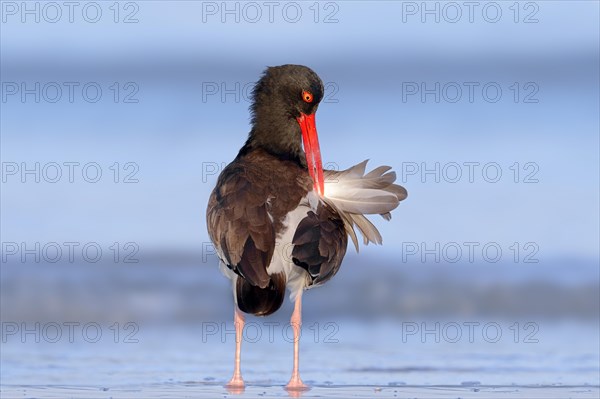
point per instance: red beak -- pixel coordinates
(312, 150)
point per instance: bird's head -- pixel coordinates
(285, 101)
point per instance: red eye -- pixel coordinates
(307, 96)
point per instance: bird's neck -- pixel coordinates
(277, 135)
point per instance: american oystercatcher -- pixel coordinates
(279, 221)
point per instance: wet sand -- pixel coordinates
(367, 361)
(204, 390)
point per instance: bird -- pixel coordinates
(277, 220)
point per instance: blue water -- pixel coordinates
(365, 354)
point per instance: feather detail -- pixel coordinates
(367, 229)
(355, 194)
(348, 224)
(363, 201)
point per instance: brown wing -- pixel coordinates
(239, 223)
(320, 243)
(247, 208)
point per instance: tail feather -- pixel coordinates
(363, 201)
(378, 171)
(349, 226)
(367, 229)
(260, 301)
(355, 194)
(399, 191)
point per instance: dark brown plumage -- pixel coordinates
(320, 244)
(245, 211)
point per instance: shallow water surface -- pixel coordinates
(350, 360)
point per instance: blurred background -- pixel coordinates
(116, 118)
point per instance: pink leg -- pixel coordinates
(295, 383)
(237, 381)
